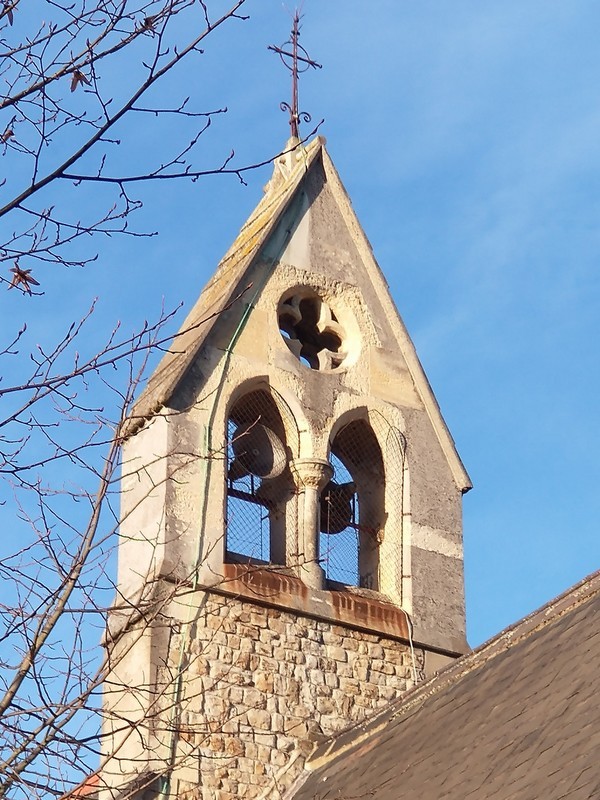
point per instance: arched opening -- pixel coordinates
(259, 482)
(353, 508)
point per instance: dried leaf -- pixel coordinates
(22, 278)
(77, 78)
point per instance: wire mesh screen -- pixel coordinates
(259, 482)
(248, 529)
(362, 513)
(339, 537)
(360, 541)
(392, 567)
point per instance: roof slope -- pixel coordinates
(517, 718)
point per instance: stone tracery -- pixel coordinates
(312, 331)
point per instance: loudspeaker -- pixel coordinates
(257, 451)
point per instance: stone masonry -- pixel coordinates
(229, 665)
(262, 686)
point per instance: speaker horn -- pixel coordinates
(257, 451)
(337, 511)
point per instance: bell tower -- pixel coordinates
(290, 546)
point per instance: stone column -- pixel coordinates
(311, 475)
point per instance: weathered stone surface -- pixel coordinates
(267, 697)
(217, 681)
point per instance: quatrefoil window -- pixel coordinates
(312, 331)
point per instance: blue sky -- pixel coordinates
(468, 137)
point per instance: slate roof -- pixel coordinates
(517, 718)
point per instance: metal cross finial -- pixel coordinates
(297, 60)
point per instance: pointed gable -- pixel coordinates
(305, 220)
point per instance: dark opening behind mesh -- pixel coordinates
(338, 552)
(252, 500)
(349, 552)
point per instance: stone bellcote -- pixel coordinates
(297, 423)
(288, 454)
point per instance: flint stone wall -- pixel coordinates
(262, 686)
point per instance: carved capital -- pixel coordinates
(311, 473)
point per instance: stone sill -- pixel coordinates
(349, 607)
(289, 593)
(276, 587)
